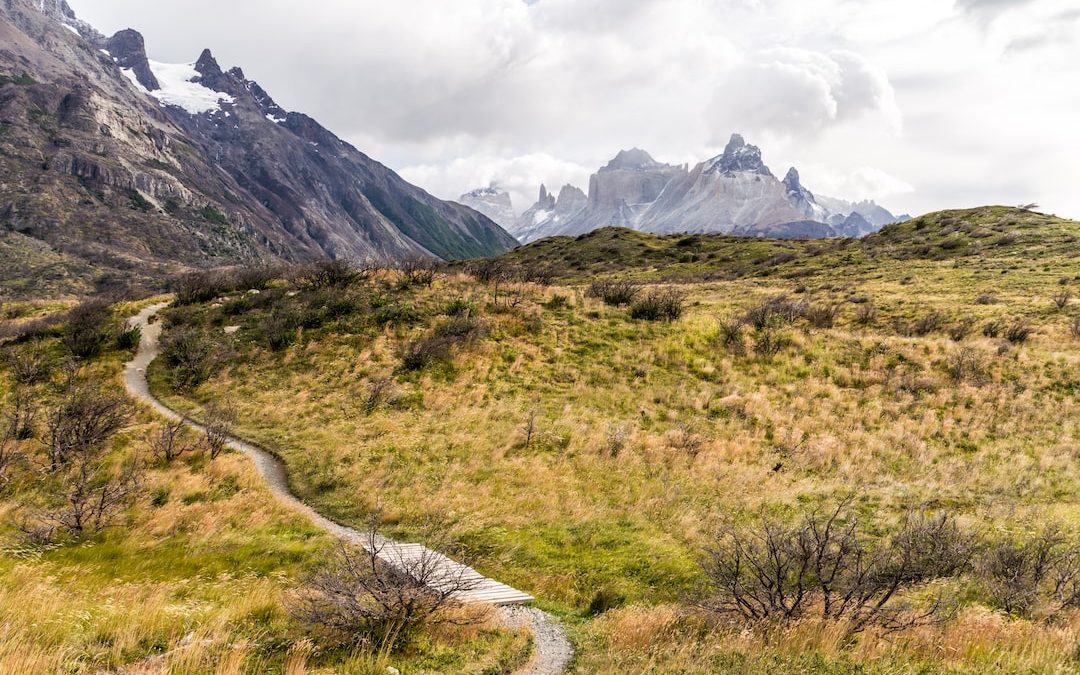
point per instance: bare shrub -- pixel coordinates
(218, 423)
(28, 366)
(930, 322)
(82, 423)
(960, 331)
(986, 299)
(663, 305)
(203, 286)
(423, 352)
(615, 439)
(614, 292)
(993, 328)
(90, 493)
(1040, 574)
(488, 270)
(381, 594)
(769, 341)
(418, 271)
(528, 429)
(731, 335)
(1018, 332)
(822, 316)
(16, 427)
(167, 442)
(377, 392)
(866, 315)
(329, 274)
(965, 365)
(775, 311)
(1063, 298)
(88, 328)
(1074, 327)
(827, 566)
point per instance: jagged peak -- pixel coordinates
(792, 178)
(128, 49)
(739, 157)
(634, 158)
(207, 65)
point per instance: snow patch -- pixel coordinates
(71, 28)
(129, 73)
(177, 89)
(540, 216)
(275, 120)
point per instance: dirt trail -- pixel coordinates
(552, 650)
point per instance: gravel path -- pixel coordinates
(552, 650)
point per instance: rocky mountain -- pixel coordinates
(137, 167)
(732, 193)
(493, 202)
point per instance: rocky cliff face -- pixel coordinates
(493, 202)
(733, 193)
(141, 168)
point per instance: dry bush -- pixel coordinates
(731, 335)
(960, 331)
(986, 299)
(822, 316)
(381, 594)
(966, 365)
(614, 292)
(88, 496)
(167, 442)
(866, 315)
(1063, 298)
(663, 305)
(204, 286)
(1018, 332)
(1074, 327)
(28, 366)
(418, 271)
(778, 310)
(423, 352)
(378, 390)
(769, 341)
(81, 423)
(993, 328)
(329, 274)
(928, 323)
(1041, 573)
(218, 423)
(488, 271)
(827, 566)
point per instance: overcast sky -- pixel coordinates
(921, 104)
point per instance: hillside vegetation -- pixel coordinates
(668, 441)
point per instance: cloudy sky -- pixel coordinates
(921, 104)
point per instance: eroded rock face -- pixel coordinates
(99, 163)
(129, 50)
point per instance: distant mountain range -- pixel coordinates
(133, 166)
(733, 193)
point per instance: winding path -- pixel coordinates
(552, 650)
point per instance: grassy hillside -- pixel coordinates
(588, 456)
(192, 572)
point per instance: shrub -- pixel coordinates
(421, 353)
(1074, 327)
(614, 292)
(129, 338)
(458, 307)
(191, 356)
(769, 341)
(731, 335)
(778, 310)
(336, 274)
(665, 305)
(380, 594)
(930, 322)
(866, 315)
(993, 328)
(959, 332)
(966, 365)
(986, 299)
(1062, 299)
(1040, 573)
(197, 287)
(828, 566)
(1018, 332)
(418, 271)
(87, 328)
(822, 316)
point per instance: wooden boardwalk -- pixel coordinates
(409, 558)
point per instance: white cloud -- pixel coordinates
(966, 100)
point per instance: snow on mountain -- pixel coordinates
(493, 202)
(732, 193)
(177, 87)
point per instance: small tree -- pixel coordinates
(1063, 298)
(82, 422)
(167, 443)
(91, 494)
(218, 429)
